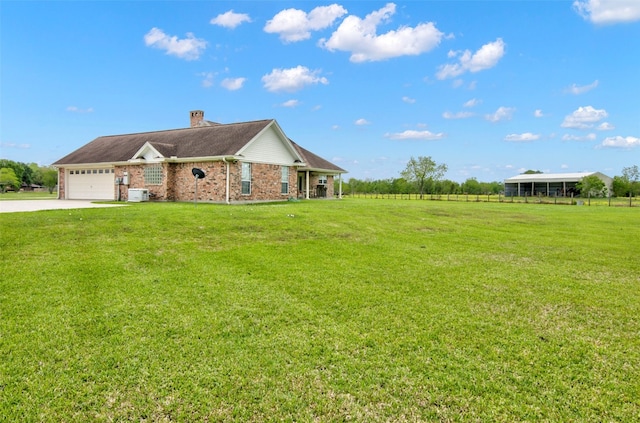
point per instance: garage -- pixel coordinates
(91, 184)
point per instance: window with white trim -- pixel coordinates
(322, 179)
(246, 178)
(285, 180)
(153, 175)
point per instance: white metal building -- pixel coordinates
(549, 184)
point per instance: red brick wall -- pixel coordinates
(178, 183)
(62, 184)
(266, 183)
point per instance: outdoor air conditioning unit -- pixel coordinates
(137, 195)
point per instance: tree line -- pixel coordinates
(402, 186)
(424, 176)
(17, 175)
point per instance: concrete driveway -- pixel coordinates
(12, 206)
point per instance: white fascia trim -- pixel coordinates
(84, 165)
(202, 159)
(326, 171)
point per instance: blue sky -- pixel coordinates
(490, 88)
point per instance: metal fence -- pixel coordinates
(499, 198)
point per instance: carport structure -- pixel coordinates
(549, 184)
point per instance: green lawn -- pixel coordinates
(361, 310)
(28, 195)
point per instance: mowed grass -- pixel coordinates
(28, 195)
(360, 310)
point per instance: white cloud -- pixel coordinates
(486, 57)
(293, 79)
(290, 103)
(408, 100)
(230, 19)
(472, 103)
(233, 84)
(208, 79)
(564, 166)
(358, 36)
(75, 109)
(362, 121)
(503, 113)
(620, 142)
(583, 118)
(415, 135)
(296, 25)
(605, 126)
(526, 137)
(576, 89)
(538, 113)
(189, 48)
(588, 137)
(459, 115)
(14, 145)
(608, 11)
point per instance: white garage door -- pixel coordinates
(91, 184)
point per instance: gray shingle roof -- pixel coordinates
(316, 162)
(205, 141)
(213, 140)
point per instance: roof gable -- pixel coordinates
(270, 145)
(150, 152)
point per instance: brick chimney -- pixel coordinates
(196, 116)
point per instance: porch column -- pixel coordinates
(340, 186)
(227, 188)
(307, 183)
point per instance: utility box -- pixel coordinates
(137, 195)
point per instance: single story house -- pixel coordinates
(549, 184)
(246, 161)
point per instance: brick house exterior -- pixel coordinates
(250, 161)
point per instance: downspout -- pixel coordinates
(226, 194)
(307, 197)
